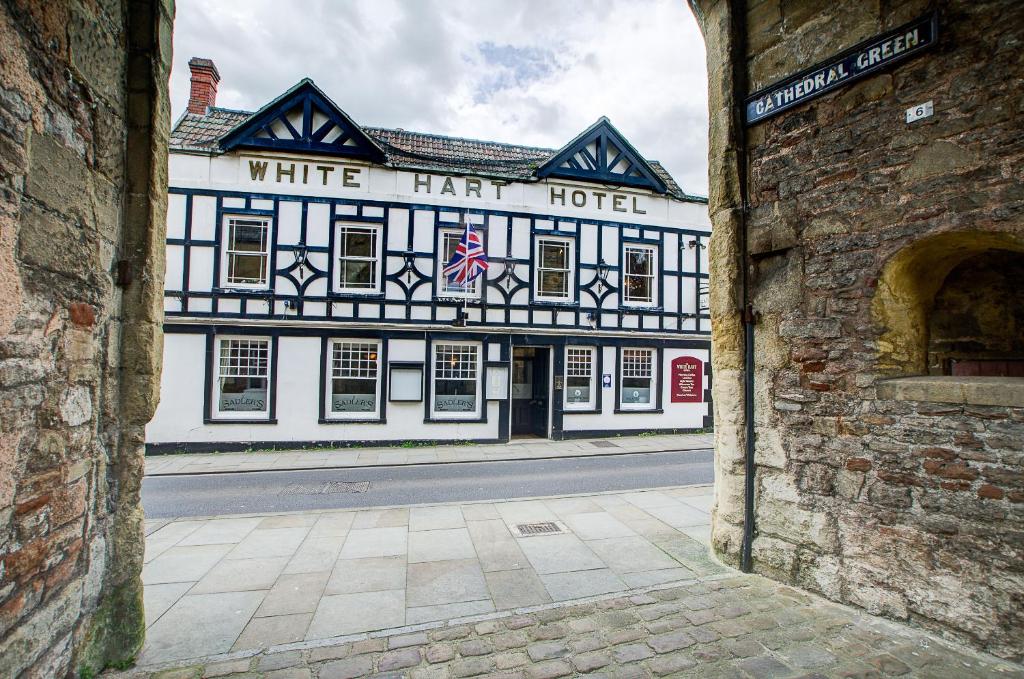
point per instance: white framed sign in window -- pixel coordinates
(405, 382)
(497, 381)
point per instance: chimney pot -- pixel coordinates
(205, 77)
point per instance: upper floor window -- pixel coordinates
(355, 379)
(456, 383)
(243, 377)
(579, 378)
(450, 241)
(636, 379)
(358, 258)
(247, 252)
(553, 278)
(639, 274)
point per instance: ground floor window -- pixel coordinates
(636, 379)
(579, 378)
(243, 377)
(456, 384)
(354, 389)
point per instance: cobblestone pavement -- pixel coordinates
(518, 449)
(722, 626)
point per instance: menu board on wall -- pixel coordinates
(687, 380)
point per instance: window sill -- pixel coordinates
(454, 420)
(981, 391)
(356, 296)
(555, 303)
(625, 306)
(639, 411)
(581, 411)
(210, 420)
(254, 292)
(324, 420)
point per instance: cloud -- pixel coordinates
(533, 72)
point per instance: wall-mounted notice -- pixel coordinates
(687, 380)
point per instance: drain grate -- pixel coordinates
(525, 530)
(604, 444)
(326, 488)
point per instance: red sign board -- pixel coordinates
(687, 380)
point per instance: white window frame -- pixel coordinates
(444, 288)
(338, 364)
(434, 379)
(227, 252)
(570, 269)
(653, 376)
(652, 253)
(219, 373)
(573, 368)
(340, 227)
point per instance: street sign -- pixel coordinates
(855, 63)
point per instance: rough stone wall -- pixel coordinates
(910, 509)
(979, 312)
(84, 118)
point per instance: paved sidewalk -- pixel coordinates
(744, 627)
(246, 582)
(518, 449)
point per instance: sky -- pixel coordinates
(532, 72)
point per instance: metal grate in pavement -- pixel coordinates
(604, 444)
(326, 488)
(525, 530)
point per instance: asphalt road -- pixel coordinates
(282, 491)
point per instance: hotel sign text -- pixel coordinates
(855, 63)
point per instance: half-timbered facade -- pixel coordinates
(305, 304)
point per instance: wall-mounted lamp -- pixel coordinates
(506, 271)
(696, 244)
(410, 264)
(301, 254)
(592, 318)
(602, 274)
(461, 318)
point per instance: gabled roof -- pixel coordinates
(601, 154)
(303, 119)
(405, 150)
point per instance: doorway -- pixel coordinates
(530, 391)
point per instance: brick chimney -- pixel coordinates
(204, 85)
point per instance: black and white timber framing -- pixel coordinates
(300, 170)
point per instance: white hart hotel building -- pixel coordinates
(305, 303)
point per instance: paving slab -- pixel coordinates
(440, 545)
(198, 625)
(341, 614)
(443, 582)
(369, 542)
(558, 553)
(239, 575)
(372, 574)
(293, 593)
(516, 589)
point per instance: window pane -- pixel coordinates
(353, 395)
(636, 390)
(577, 389)
(248, 236)
(359, 244)
(246, 268)
(455, 396)
(638, 288)
(554, 256)
(553, 283)
(241, 394)
(639, 261)
(357, 274)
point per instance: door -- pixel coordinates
(530, 388)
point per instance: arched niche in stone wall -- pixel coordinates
(913, 299)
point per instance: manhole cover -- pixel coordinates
(525, 530)
(326, 488)
(604, 444)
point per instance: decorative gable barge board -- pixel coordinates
(307, 140)
(599, 169)
(505, 340)
(700, 320)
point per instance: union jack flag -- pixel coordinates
(469, 260)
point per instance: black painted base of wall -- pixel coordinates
(612, 433)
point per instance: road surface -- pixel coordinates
(283, 491)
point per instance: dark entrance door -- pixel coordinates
(530, 386)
